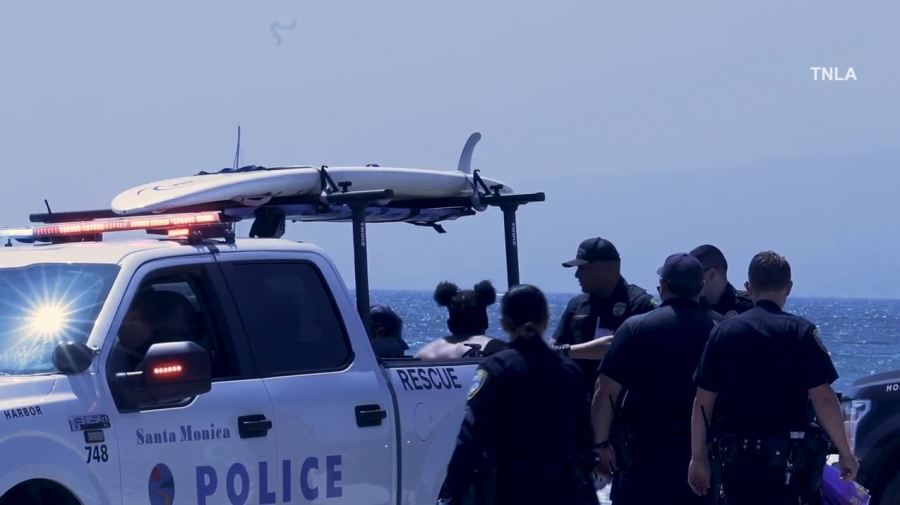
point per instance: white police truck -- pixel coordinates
(258, 384)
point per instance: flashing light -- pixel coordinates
(179, 221)
(179, 232)
(126, 224)
(17, 232)
(167, 370)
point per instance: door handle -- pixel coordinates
(369, 415)
(253, 426)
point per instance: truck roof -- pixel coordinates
(115, 252)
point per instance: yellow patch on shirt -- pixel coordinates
(478, 381)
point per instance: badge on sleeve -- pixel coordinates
(818, 338)
(618, 309)
(478, 381)
(730, 314)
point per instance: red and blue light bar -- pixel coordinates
(180, 224)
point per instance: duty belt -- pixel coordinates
(801, 454)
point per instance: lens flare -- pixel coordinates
(47, 320)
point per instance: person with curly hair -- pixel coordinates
(467, 322)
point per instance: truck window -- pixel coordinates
(290, 317)
(173, 308)
(43, 304)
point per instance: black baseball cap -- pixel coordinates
(593, 249)
(682, 271)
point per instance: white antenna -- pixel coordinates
(237, 152)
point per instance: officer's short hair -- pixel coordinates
(769, 271)
(710, 257)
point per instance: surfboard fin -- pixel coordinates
(465, 159)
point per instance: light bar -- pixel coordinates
(126, 224)
(181, 221)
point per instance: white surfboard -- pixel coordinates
(253, 188)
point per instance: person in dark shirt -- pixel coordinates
(757, 376)
(467, 322)
(589, 321)
(653, 356)
(135, 334)
(153, 317)
(718, 294)
(387, 332)
(526, 417)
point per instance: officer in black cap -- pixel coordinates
(607, 300)
(653, 356)
(718, 293)
(758, 374)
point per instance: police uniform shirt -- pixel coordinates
(762, 364)
(732, 302)
(654, 357)
(586, 318)
(527, 412)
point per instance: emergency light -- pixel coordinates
(168, 370)
(175, 224)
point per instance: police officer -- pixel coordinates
(527, 412)
(758, 374)
(607, 300)
(718, 293)
(654, 356)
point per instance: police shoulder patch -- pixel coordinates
(618, 309)
(816, 335)
(730, 314)
(478, 381)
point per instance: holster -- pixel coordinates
(621, 439)
(808, 454)
(719, 451)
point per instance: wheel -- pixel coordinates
(38, 492)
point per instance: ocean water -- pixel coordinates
(861, 335)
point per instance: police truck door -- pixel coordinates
(209, 449)
(333, 410)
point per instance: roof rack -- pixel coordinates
(357, 207)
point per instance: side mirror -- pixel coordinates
(72, 357)
(170, 371)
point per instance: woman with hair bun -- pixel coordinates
(527, 418)
(467, 322)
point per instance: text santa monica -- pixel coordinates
(185, 433)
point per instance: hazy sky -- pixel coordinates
(658, 125)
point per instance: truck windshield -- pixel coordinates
(44, 304)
